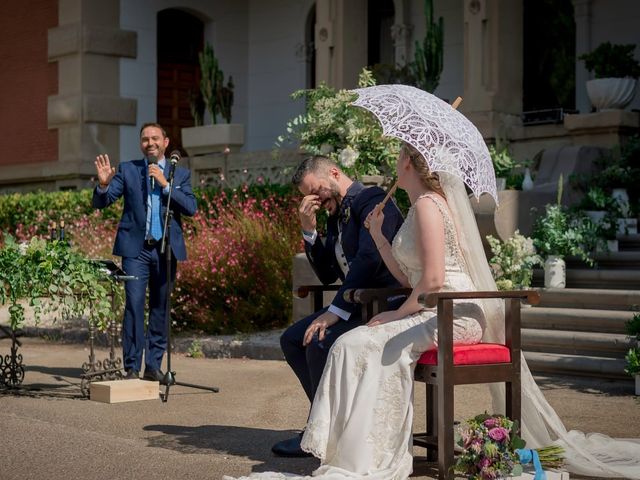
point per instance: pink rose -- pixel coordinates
(498, 434)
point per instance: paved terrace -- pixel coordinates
(49, 430)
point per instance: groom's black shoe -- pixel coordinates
(290, 448)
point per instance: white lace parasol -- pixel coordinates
(446, 138)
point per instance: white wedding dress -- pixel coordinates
(361, 420)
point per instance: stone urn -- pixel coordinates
(555, 272)
(611, 93)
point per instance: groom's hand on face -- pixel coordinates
(307, 210)
(319, 325)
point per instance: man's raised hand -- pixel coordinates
(307, 212)
(104, 169)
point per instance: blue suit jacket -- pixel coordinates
(366, 267)
(132, 182)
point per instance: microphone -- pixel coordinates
(174, 158)
(153, 160)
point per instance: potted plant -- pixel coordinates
(503, 163)
(632, 328)
(616, 72)
(609, 227)
(595, 204)
(556, 235)
(218, 100)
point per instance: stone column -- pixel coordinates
(324, 41)
(88, 109)
(493, 36)
(341, 41)
(582, 16)
(401, 32)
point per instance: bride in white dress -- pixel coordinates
(361, 419)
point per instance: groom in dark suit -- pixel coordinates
(143, 184)
(348, 253)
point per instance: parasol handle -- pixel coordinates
(456, 103)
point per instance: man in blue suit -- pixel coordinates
(143, 184)
(348, 253)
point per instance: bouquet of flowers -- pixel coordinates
(513, 261)
(489, 443)
(492, 449)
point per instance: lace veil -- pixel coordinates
(585, 454)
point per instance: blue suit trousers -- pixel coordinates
(150, 268)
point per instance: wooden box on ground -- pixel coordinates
(117, 391)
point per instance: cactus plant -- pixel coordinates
(427, 66)
(217, 97)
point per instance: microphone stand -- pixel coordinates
(165, 248)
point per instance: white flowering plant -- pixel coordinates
(513, 261)
(349, 135)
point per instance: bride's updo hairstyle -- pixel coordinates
(429, 179)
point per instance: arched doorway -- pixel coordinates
(180, 38)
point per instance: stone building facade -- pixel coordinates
(81, 76)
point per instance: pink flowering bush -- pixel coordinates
(240, 246)
(238, 276)
(490, 443)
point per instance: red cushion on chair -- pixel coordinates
(477, 354)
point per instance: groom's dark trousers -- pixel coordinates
(365, 270)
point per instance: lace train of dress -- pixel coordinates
(361, 419)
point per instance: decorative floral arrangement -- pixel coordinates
(513, 261)
(489, 443)
(349, 135)
(561, 233)
(492, 449)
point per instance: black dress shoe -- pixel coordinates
(131, 374)
(153, 375)
(290, 448)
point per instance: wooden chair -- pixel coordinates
(447, 366)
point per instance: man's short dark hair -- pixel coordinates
(153, 124)
(317, 164)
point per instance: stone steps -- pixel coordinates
(611, 345)
(581, 331)
(629, 242)
(625, 260)
(575, 319)
(617, 279)
(600, 299)
(592, 366)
